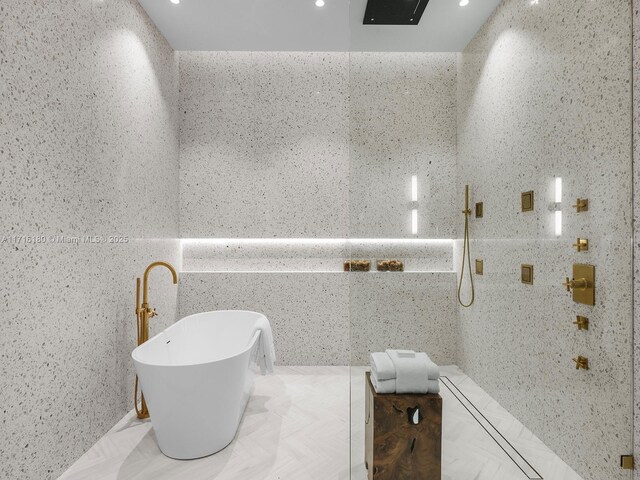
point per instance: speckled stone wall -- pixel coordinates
(88, 147)
(291, 144)
(320, 145)
(544, 90)
(407, 310)
(636, 232)
(403, 123)
(264, 144)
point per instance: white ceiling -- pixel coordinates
(299, 25)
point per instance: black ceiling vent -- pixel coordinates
(394, 12)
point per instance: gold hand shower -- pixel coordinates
(466, 251)
(143, 313)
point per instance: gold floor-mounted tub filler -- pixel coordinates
(143, 313)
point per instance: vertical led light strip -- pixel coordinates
(414, 211)
(558, 201)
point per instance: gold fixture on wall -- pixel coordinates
(582, 322)
(581, 362)
(583, 284)
(526, 274)
(479, 267)
(581, 245)
(526, 200)
(627, 462)
(390, 266)
(582, 205)
(143, 313)
(479, 209)
(357, 265)
(466, 252)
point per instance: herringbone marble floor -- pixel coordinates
(297, 427)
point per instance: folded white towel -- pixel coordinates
(266, 351)
(433, 371)
(411, 371)
(383, 386)
(434, 386)
(381, 366)
(389, 386)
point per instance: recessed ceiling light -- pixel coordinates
(319, 3)
(175, 2)
(464, 3)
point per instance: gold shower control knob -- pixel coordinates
(580, 284)
(581, 362)
(581, 245)
(582, 323)
(581, 205)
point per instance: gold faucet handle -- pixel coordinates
(581, 362)
(568, 283)
(581, 205)
(582, 323)
(581, 245)
(151, 312)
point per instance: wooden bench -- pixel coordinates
(403, 435)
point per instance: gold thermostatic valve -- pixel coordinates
(582, 323)
(581, 363)
(582, 205)
(583, 284)
(581, 245)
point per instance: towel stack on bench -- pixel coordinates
(404, 371)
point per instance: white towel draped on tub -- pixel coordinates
(266, 352)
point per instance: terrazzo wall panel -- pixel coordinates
(403, 124)
(89, 148)
(280, 146)
(411, 310)
(264, 144)
(636, 231)
(542, 96)
(290, 144)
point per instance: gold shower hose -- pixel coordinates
(466, 251)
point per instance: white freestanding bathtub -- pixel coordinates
(197, 377)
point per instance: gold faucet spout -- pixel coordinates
(145, 278)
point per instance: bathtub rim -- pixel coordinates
(255, 338)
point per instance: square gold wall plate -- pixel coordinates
(479, 209)
(527, 201)
(526, 274)
(585, 294)
(626, 462)
(479, 267)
